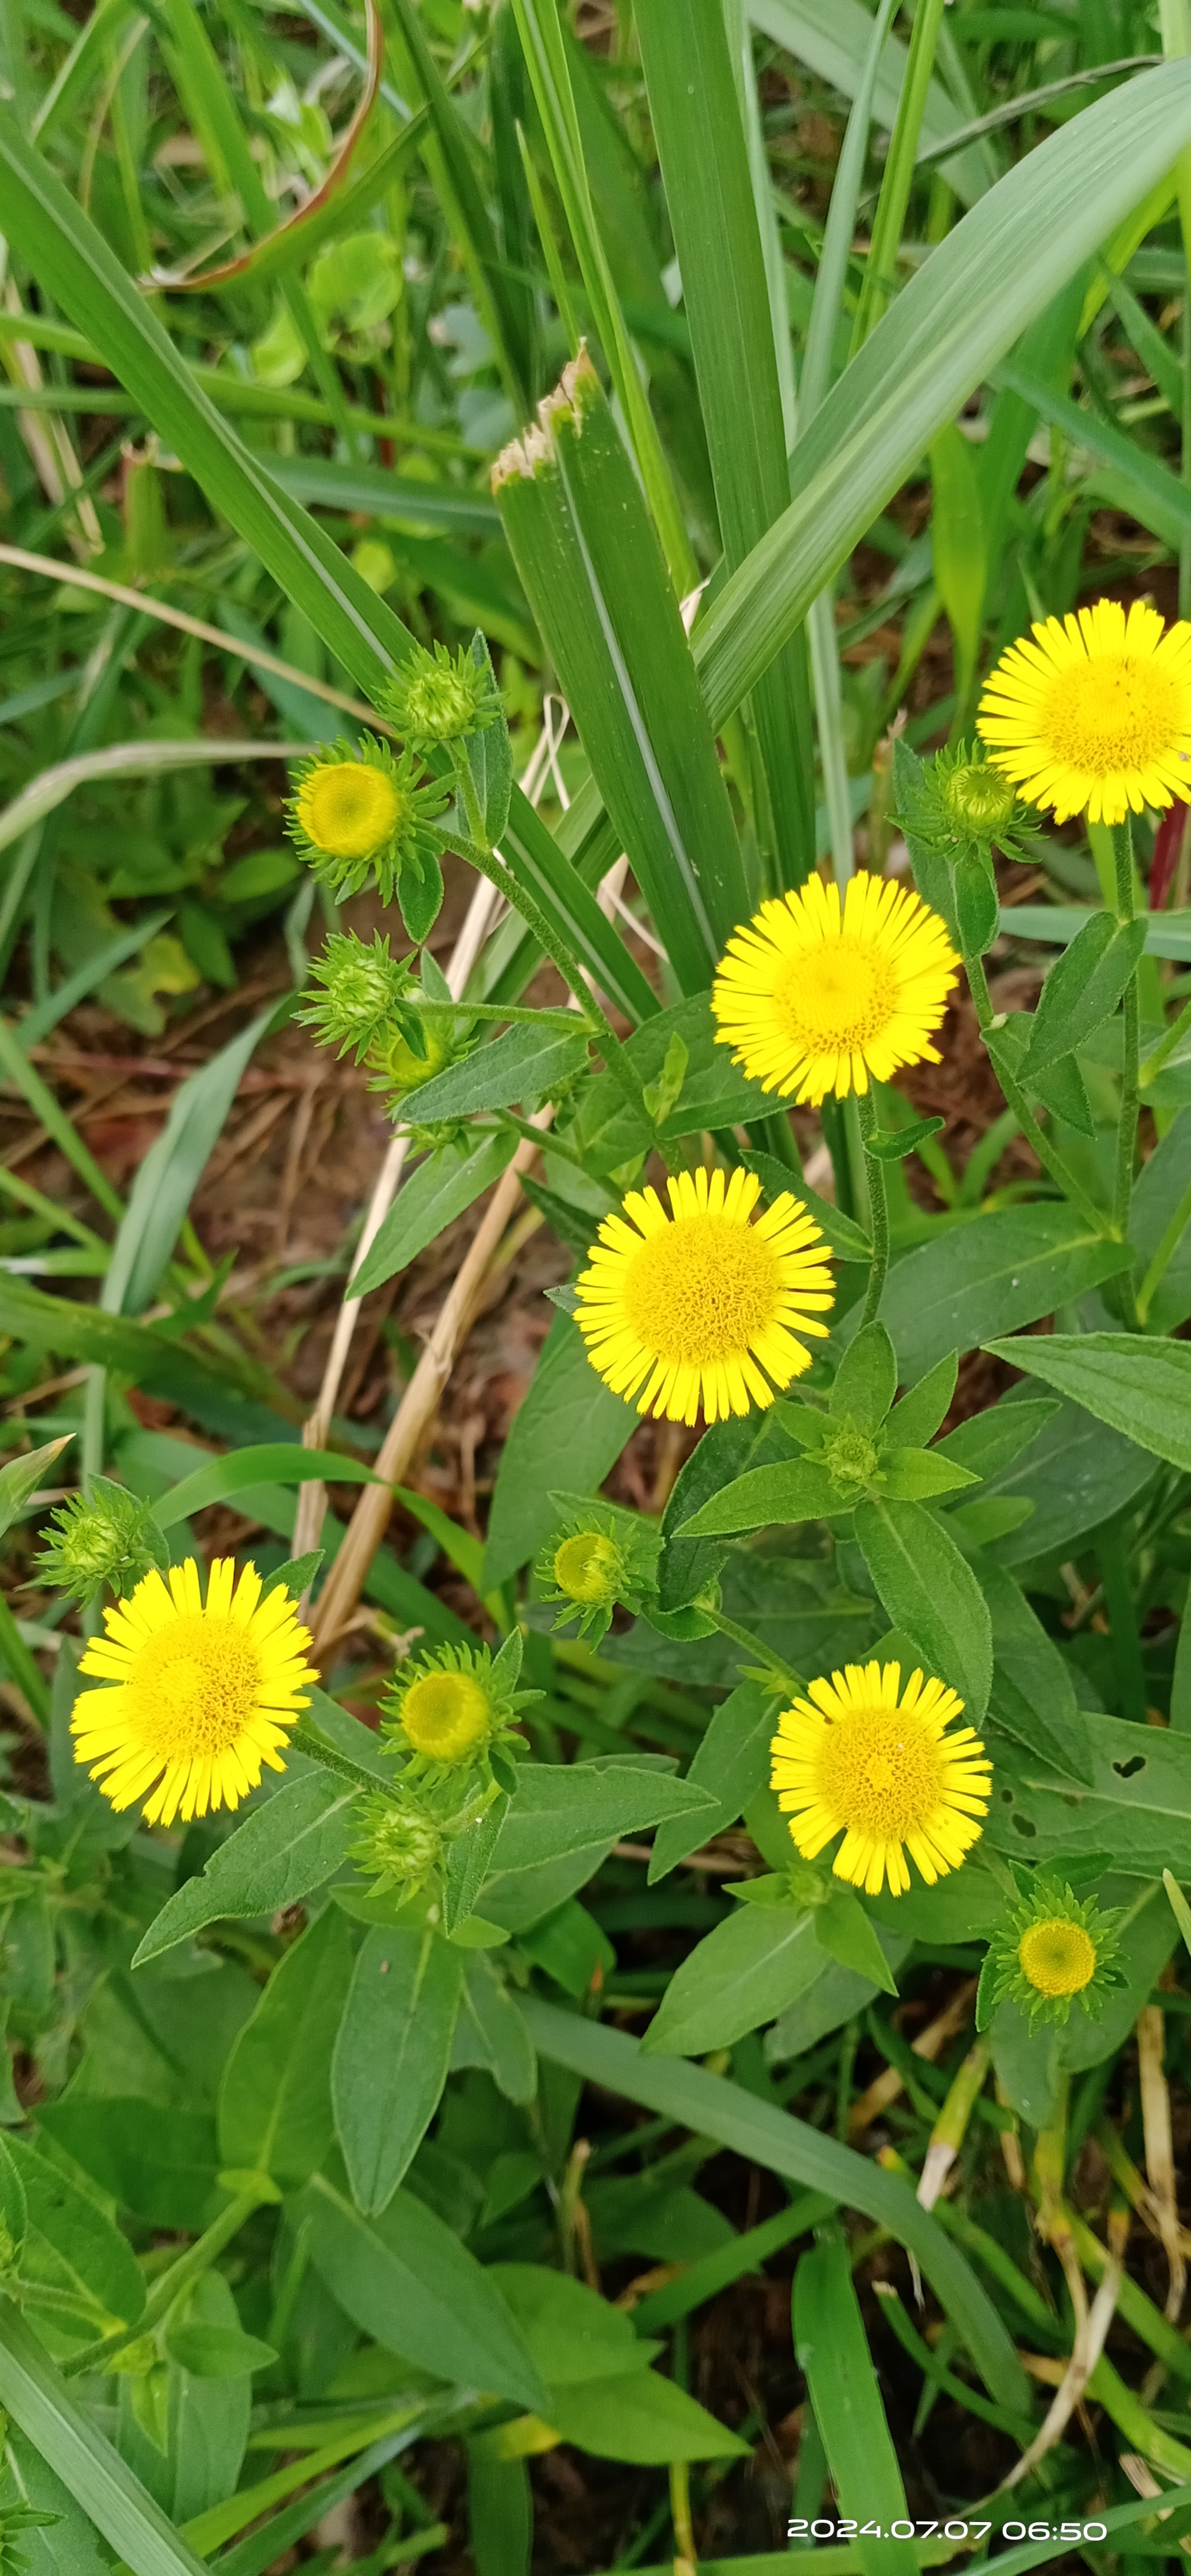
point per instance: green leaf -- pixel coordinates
(565, 1807)
(832, 37)
(1140, 1387)
(71, 2247)
(392, 2055)
(1136, 1804)
(573, 2334)
(33, 2393)
(168, 1177)
(468, 1857)
(929, 1589)
(1075, 1475)
(406, 2279)
(499, 2027)
(893, 1145)
(959, 315)
(642, 2418)
(866, 1379)
(283, 1849)
(989, 1441)
(832, 2351)
(726, 1451)
(913, 1475)
(489, 757)
(217, 2352)
(1031, 1683)
(1083, 989)
(848, 1935)
(997, 1273)
(916, 1419)
(280, 1462)
(1167, 934)
(524, 1064)
(711, 2106)
(741, 1975)
(141, 1352)
(440, 1189)
(275, 2113)
(799, 1492)
(588, 556)
(22, 1476)
(568, 1414)
(701, 143)
(730, 1765)
(162, 2165)
(960, 559)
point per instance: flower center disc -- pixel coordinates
(882, 1777)
(444, 1714)
(1058, 1957)
(585, 1566)
(347, 808)
(700, 1289)
(195, 1687)
(835, 997)
(1110, 713)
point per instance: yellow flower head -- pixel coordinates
(1052, 1952)
(857, 1759)
(202, 1695)
(816, 997)
(446, 1716)
(1094, 712)
(1057, 1957)
(346, 808)
(364, 817)
(686, 1306)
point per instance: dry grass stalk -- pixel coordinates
(1159, 2150)
(929, 2044)
(417, 1409)
(1091, 2330)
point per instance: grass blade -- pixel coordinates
(713, 2107)
(709, 190)
(34, 2394)
(954, 323)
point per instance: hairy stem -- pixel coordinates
(1122, 852)
(878, 1201)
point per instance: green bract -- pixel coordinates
(1052, 1952)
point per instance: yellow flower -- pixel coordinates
(346, 808)
(691, 1302)
(816, 997)
(446, 1716)
(1094, 712)
(203, 1693)
(1057, 1957)
(882, 1771)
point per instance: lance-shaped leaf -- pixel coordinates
(959, 315)
(702, 147)
(929, 1589)
(593, 570)
(1082, 989)
(1141, 1387)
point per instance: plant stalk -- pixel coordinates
(878, 1201)
(1122, 852)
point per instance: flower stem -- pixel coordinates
(781, 1671)
(305, 1739)
(1122, 852)
(197, 2258)
(1051, 1160)
(471, 804)
(1164, 1254)
(878, 1201)
(1165, 1048)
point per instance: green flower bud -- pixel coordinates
(595, 1563)
(107, 1537)
(439, 697)
(362, 989)
(850, 1457)
(362, 816)
(450, 1708)
(400, 1845)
